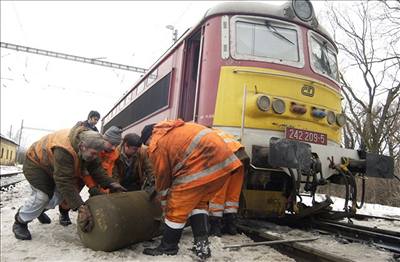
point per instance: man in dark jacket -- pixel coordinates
(91, 121)
(53, 167)
(133, 168)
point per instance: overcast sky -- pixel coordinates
(52, 93)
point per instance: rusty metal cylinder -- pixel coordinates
(120, 220)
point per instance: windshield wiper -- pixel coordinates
(276, 33)
(325, 59)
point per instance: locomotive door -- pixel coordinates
(189, 88)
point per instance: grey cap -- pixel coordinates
(92, 139)
(113, 135)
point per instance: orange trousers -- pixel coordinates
(180, 205)
(226, 200)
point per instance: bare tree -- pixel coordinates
(367, 35)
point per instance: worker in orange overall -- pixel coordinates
(191, 163)
(108, 157)
(224, 205)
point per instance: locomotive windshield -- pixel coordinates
(267, 40)
(323, 58)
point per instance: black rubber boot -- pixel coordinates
(215, 226)
(168, 245)
(20, 229)
(64, 216)
(230, 224)
(201, 246)
(43, 218)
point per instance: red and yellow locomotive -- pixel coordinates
(267, 74)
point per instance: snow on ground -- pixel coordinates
(5, 170)
(367, 209)
(54, 242)
(328, 243)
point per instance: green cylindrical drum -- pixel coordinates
(121, 219)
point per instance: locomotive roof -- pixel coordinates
(263, 9)
(231, 8)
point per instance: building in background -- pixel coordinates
(8, 151)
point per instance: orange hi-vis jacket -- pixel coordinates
(41, 152)
(227, 198)
(187, 156)
(107, 162)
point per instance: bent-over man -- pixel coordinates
(191, 163)
(53, 167)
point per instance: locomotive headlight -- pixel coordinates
(303, 9)
(318, 112)
(341, 119)
(263, 103)
(330, 117)
(278, 105)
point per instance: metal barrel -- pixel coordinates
(120, 220)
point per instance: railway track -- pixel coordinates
(386, 239)
(295, 250)
(10, 179)
(383, 239)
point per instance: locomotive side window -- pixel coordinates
(267, 40)
(323, 57)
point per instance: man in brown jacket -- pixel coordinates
(53, 167)
(133, 168)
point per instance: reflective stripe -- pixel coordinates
(164, 192)
(216, 206)
(229, 140)
(216, 214)
(198, 211)
(205, 172)
(174, 225)
(190, 148)
(163, 202)
(232, 204)
(231, 210)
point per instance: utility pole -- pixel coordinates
(10, 133)
(174, 32)
(19, 139)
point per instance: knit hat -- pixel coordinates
(92, 139)
(113, 135)
(146, 133)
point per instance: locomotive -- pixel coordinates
(267, 74)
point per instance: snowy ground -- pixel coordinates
(5, 170)
(54, 242)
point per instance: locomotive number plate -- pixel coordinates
(306, 136)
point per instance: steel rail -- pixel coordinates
(389, 240)
(11, 174)
(295, 250)
(11, 184)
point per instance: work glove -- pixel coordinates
(116, 187)
(95, 191)
(149, 187)
(151, 191)
(85, 219)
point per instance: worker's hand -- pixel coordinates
(116, 187)
(85, 219)
(151, 191)
(95, 191)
